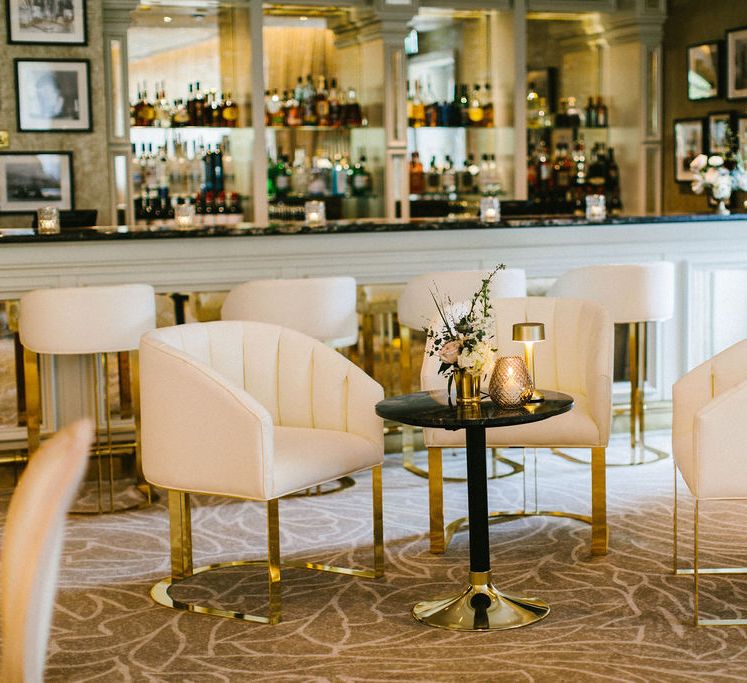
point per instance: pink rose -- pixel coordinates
(450, 351)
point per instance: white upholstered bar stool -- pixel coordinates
(323, 307)
(634, 294)
(416, 309)
(90, 321)
(254, 411)
(709, 433)
(576, 359)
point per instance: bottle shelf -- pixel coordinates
(176, 129)
(317, 129)
(419, 128)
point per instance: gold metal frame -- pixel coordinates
(180, 526)
(103, 447)
(441, 534)
(696, 569)
(638, 361)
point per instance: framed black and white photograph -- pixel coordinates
(30, 180)
(689, 141)
(53, 94)
(719, 124)
(736, 63)
(704, 71)
(741, 129)
(60, 22)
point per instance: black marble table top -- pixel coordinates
(437, 409)
(369, 225)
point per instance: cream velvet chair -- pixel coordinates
(255, 411)
(32, 546)
(709, 436)
(634, 294)
(323, 308)
(90, 321)
(575, 358)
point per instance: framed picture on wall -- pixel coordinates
(704, 71)
(741, 130)
(53, 95)
(543, 81)
(30, 180)
(719, 124)
(59, 22)
(689, 141)
(736, 63)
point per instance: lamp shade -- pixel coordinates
(529, 332)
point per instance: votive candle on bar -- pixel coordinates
(490, 209)
(48, 220)
(596, 208)
(314, 213)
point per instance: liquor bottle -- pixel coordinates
(275, 109)
(199, 106)
(215, 110)
(229, 176)
(309, 103)
(300, 174)
(533, 106)
(574, 114)
(418, 108)
(282, 176)
(579, 161)
(191, 105)
(162, 110)
(561, 118)
(361, 178)
(602, 114)
(467, 177)
(544, 168)
(591, 113)
(431, 106)
(532, 175)
(615, 205)
(147, 110)
(475, 112)
(339, 177)
(487, 109)
(448, 176)
(417, 177)
(410, 107)
(597, 173)
(322, 103)
(335, 109)
(137, 172)
(230, 112)
(563, 175)
(433, 178)
(293, 116)
(463, 105)
(613, 171)
(298, 91)
(352, 115)
(180, 117)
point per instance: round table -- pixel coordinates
(481, 606)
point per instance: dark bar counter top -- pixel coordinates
(373, 225)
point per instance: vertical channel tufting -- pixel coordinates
(312, 387)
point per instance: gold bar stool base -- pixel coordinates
(480, 607)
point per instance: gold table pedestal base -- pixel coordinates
(480, 607)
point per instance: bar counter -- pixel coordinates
(710, 253)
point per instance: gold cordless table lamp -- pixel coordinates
(528, 334)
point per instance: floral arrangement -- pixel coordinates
(462, 340)
(720, 174)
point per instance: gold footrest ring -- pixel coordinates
(462, 523)
(160, 593)
(480, 607)
(149, 497)
(641, 448)
(514, 468)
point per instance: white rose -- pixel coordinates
(722, 188)
(715, 161)
(698, 185)
(742, 181)
(698, 163)
(711, 176)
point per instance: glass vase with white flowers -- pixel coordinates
(720, 174)
(462, 340)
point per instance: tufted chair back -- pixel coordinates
(244, 378)
(701, 403)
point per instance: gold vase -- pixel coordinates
(467, 387)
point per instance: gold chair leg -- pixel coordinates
(599, 530)
(674, 521)
(33, 399)
(378, 520)
(125, 385)
(695, 564)
(273, 561)
(436, 500)
(633, 370)
(180, 531)
(134, 380)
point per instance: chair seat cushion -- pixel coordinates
(306, 457)
(572, 429)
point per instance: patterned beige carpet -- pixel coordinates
(619, 618)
